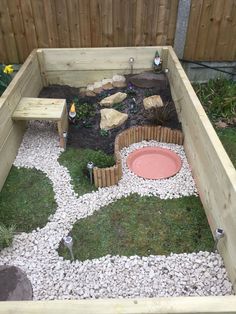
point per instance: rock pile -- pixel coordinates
(117, 81)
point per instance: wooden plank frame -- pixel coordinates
(213, 171)
(26, 83)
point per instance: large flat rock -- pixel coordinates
(148, 80)
(111, 118)
(14, 284)
(113, 99)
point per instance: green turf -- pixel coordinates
(26, 200)
(218, 97)
(142, 226)
(228, 139)
(75, 160)
(219, 100)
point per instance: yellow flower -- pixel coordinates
(8, 69)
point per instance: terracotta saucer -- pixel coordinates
(154, 162)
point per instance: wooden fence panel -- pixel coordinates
(29, 24)
(211, 31)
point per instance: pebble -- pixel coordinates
(52, 277)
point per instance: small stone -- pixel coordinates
(154, 101)
(97, 87)
(111, 118)
(149, 80)
(221, 125)
(90, 91)
(119, 81)
(113, 99)
(107, 84)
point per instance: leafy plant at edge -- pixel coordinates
(5, 77)
(159, 115)
(218, 97)
(6, 235)
(104, 132)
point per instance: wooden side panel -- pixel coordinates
(99, 58)
(212, 169)
(27, 82)
(173, 305)
(79, 67)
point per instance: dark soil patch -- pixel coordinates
(86, 134)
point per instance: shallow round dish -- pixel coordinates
(154, 163)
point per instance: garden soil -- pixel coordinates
(86, 134)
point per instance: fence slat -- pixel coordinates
(32, 24)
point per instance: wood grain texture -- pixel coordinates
(27, 82)
(173, 305)
(39, 109)
(29, 24)
(213, 171)
(211, 31)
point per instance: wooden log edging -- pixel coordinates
(104, 177)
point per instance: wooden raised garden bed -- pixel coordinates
(213, 171)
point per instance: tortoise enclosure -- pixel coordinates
(213, 171)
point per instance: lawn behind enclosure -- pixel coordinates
(218, 98)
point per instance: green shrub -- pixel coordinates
(218, 98)
(99, 158)
(119, 107)
(104, 132)
(75, 160)
(6, 235)
(85, 111)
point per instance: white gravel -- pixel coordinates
(52, 277)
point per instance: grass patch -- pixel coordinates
(75, 160)
(26, 200)
(228, 139)
(218, 97)
(142, 226)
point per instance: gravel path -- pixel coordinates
(52, 277)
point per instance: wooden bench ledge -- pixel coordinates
(44, 109)
(39, 109)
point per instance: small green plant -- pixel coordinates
(5, 77)
(6, 235)
(130, 91)
(104, 132)
(84, 111)
(148, 93)
(76, 162)
(120, 106)
(103, 94)
(160, 115)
